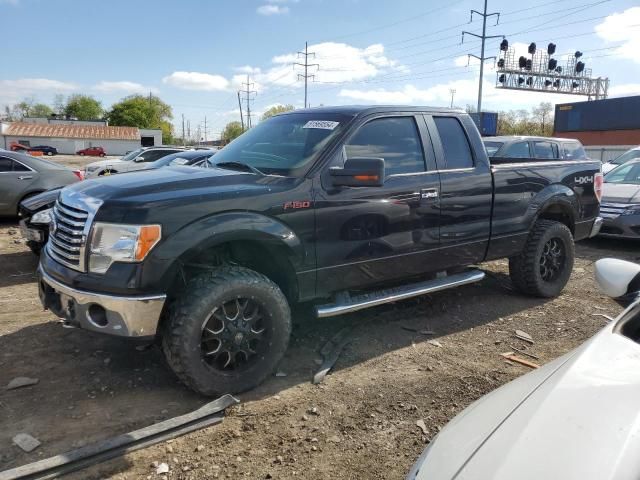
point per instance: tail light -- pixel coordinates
(598, 181)
(79, 174)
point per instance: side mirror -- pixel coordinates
(617, 277)
(138, 159)
(359, 172)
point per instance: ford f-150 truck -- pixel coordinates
(348, 207)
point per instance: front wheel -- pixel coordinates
(545, 264)
(228, 331)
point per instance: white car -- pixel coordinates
(137, 160)
(624, 158)
(574, 418)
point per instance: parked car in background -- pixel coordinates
(540, 148)
(46, 150)
(137, 160)
(621, 159)
(620, 208)
(92, 152)
(185, 158)
(22, 176)
(18, 147)
(35, 217)
(576, 416)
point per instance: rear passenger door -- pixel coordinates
(543, 150)
(466, 190)
(15, 182)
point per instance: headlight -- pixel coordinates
(111, 242)
(632, 210)
(43, 217)
(91, 169)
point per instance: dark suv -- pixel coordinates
(541, 148)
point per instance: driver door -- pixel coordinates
(366, 235)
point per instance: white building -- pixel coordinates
(68, 138)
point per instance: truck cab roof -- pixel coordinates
(369, 109)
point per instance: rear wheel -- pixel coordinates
(228, 331)
(545, 264)
(82, 154)
(49, 153)
(101, 155)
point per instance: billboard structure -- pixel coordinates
(540, 72)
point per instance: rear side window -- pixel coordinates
(6, 164)
(457, 152)
(395, 139)
(573, 151)
(545, 150)
(518, 150)
(18, 167)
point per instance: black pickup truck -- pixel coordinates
(348, 207)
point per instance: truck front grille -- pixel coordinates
(68, 237)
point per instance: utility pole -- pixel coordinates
(306, 66)
(452, 91)
(240, 107)
(183, 139)
(482, 37)
(189, 130)
(205, 128)
(247, 92)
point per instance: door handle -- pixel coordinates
(25, 177)
(429, 193)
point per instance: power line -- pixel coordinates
(306, 66)
(248, 98)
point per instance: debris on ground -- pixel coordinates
(422, 426)
(162, 468)
(330, 353)
(435, 343)
(20, 382)
(524, 353)
(609, 318)
(524, 336)
(511, 356)
(26, 442)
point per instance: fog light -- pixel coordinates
(97, 315)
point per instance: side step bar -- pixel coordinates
(348, 304)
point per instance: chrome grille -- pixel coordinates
(67, 240)
(612, 210)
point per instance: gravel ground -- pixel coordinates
(359, 423)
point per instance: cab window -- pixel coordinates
(518, 150)
(545, 150)
(455, 145)
(395, 139)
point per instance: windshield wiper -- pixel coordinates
(240, 165)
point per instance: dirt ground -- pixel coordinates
(92, 387)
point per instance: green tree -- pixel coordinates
(26, 108)
(276, 109)
(231, 131)
(143, 112)
(83, 107)
(58, 104)
(40, 110)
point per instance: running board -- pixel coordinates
(349, 304)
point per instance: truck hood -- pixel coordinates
(576, 417)
(621, 193)
(145, 196)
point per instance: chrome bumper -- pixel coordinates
(111, 314)
(597, 225)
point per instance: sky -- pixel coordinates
(196, 54)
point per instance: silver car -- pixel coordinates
(139, 159)
(23, 175)
(620, 206)
(574, 418)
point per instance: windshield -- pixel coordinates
(131, 155)
(492, 147)
(628, 173)
(625, 157)
(285, 144)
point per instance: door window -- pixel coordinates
(395, 139)
(457, 152)
(6, 164)
(518, 150)
(18, 167)
(545, 150)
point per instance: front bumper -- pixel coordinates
(597, 225)
(621, 226)
(124, 316)
(33, 234)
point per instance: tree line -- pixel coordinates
(139, 111)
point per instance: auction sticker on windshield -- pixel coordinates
(323, 124)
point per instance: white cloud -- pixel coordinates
(9, 2)
(622, 27)
(196, 81)
(248, 69)
(268, 10)
(624, 90)
(123, 87)
(37, 84)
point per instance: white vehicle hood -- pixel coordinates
(576, 418)
(105, 163)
